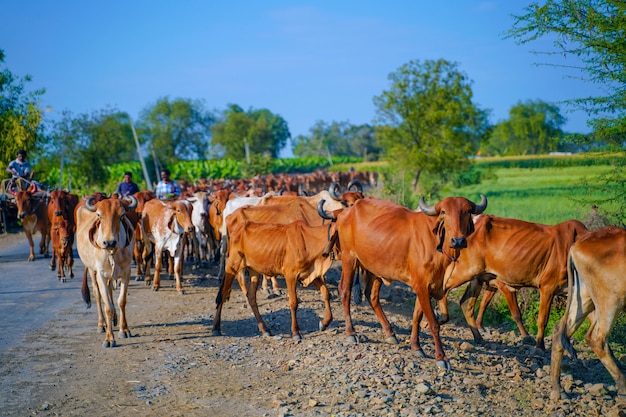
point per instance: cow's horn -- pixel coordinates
(132, 200)
(90, 204)
(334, 190)
(426, 209)
(356, 184)
(322, 213)
(482, 206)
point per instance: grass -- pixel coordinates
(541, 195)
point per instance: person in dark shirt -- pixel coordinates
(127, 187)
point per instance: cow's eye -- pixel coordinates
(442, 212)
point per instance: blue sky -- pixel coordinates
(304, 60)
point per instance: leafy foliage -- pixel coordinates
(20, 118)
(263, 132)
(427, 120)
(338, 139)
(533, 127)
(176, 130)
(593, 32)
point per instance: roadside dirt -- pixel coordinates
(174, 366)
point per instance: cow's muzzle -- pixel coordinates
(109, 244)
(459, 242)
(21, 215)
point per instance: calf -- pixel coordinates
(597, 288)
(62, 238)
(163, 224)
(295, 250)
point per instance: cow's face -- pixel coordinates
(61, 229)
(57, 205)
(182, 212)
(106, 232)
(25, 204)
(454, 221)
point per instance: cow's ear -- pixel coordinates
(92, 233)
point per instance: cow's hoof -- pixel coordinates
(392, 340)
(217, 332)
(266, 333)
(138, 278)
(297, 337)
(272, 296)
(528, 340)
(181, 292)
(322, 326)
(125, 334)
(63, 279)
(31, 259)
(420, 353)
(353, 339)
(445, 365)
(51, 266)
(108, 344)
(101, 329)
(155, 288)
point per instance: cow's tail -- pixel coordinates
(85, 290)
(573, 305)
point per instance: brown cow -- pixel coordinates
(104, 239)
(32, 212)
(597, 288)
(164, 224)
(61, 206)
(142, 198)
(62, 238)
(518, 254)
(295, 250)
(393, 243)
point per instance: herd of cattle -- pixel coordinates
(258, 234)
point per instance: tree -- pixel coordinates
(84, 145)
(427, 121)
(337, 139)
(533, 127)
(177, 129)
(263, 132)
(592, 31)
(20, 117)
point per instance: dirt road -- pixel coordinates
(173, 366)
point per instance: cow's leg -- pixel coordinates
(546, 294)
(372, 293)
(223, 295)
(252, 288)
(124, 332)
(158, 266)
(31, 245)
(70, 261)
(97, 296)
(53, 261)
(293, 307)
(178, 272)
(170, 262)
(574, 316)
(345, 291)
(468, 301)
(511, 301)
(147, 254)
(109, 308)
(61, 265)
(442, 310)
(488, 294)
(415, 335)
(598, 339)
(423, 296)
(44, 244)
(328, 314)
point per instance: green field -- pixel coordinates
(542, 195)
